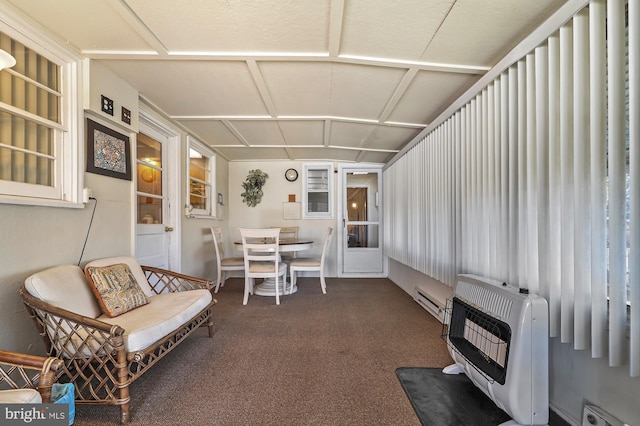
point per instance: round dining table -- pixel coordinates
(268, 286)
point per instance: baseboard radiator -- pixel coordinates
(429, 303)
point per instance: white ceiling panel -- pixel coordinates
(253, 153)
(85, 24)
(337, 77)
(352, 135)
(469, 33)
(387, 137)
(428, 94)
(362, 91)
(259, 132)
(324, 154)
(398, 30)
(299, 88)
(212, 132)
(230, 26)
(195, 87)
(303, 132)
(375, 157)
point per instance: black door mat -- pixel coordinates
(448, 399)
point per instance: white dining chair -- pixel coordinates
(311, 264)
(288, 233)
(262, 259)
(224, 264)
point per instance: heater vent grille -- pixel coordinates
(485, 299)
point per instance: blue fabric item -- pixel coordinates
(65, 394)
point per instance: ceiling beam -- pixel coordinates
(284, 57)
(335, 27)
(258, 79)
(138, 25)
(297, 118)
(398, 93)
(235, 132)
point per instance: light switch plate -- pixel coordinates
(126, 115)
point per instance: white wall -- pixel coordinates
(269, 212)
(574, 377)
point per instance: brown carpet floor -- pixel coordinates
(314, 360)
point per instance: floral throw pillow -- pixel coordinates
(116, 288)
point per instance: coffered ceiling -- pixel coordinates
(343, 80)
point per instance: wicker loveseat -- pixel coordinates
(104, 354)
(26, 379)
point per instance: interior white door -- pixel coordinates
(156, 218)
(361, 237)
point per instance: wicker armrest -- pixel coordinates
(163, 281)
(22, 371)
(69, 335)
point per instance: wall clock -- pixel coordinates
(291, 175)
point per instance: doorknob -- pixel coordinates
(168, 228)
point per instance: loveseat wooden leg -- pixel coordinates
(124, 414)
(123, 381)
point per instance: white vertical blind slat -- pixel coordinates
(542, 154)
(597, 67)
(473, 183)
(616, 126)
(566, 177)
(491, 172)
(514, 260)
(555, 193)
(634, 177)
(503, 99)
(582, 214)
(522, 176)
(531, 180)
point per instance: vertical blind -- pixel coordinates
(536, 181)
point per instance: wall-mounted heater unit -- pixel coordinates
(498, 336)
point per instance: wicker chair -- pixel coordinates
(102, 356)
(26, 379)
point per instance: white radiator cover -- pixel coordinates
(429, 303)
(524, 393)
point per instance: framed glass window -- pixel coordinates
(201, 179)
(35, 96)
(317, 191)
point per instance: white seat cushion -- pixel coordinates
(306, 262)
(56, 285)
(163, 314)
(265, 267)
(20, 396)
(232, 261)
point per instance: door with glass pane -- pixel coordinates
(152, 226)
(361, 231)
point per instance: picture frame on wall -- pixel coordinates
(108, 151)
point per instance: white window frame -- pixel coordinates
(306, 214)
(202, 149)
(68, 135)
